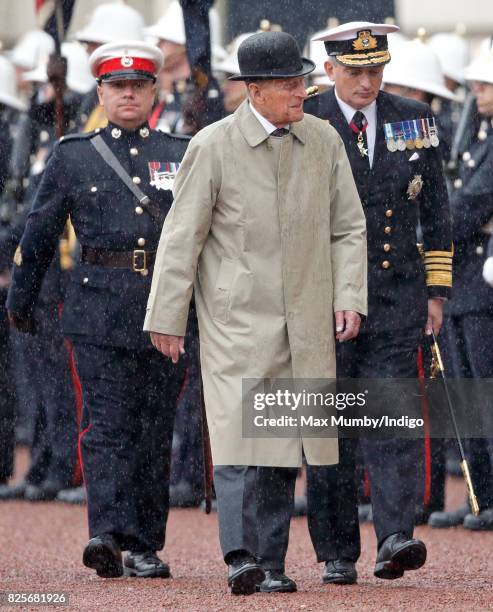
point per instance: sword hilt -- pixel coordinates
(473, 502)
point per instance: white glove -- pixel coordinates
(488, 271)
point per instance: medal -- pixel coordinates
(401, 145)
(360, 142)
(433, 133)
(426, 138)
(417, 141)
(408, 136)
(389, 137)
(361, 145)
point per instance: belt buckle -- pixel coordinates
(135, 261)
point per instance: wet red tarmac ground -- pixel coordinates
(41, 546)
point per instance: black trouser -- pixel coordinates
(391, 463)
(471, 351)
(7, 396)
(129, 409)
(255, 506)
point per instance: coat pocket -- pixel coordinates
(222, 292)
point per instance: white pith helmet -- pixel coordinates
(31, 47)
(79, 78)
(453, 52)
(111, 22)
(415, 65)
(8, 86)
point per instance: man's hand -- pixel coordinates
(347, 324)
(169, 346)
(435, 316)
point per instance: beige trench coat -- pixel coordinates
(273, 248)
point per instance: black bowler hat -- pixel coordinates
(271, 55)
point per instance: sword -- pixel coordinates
(437, 364)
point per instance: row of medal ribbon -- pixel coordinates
(413, 134)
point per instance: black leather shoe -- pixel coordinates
(103, 554)
(74, 495)
(244, 575)
(146, 565)
(276, 582)
(339, 571)
(46, 491)
(15, 491)
(397, 555)
(483, 522)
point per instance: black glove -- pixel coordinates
(24, 324)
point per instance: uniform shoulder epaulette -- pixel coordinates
(78, 136)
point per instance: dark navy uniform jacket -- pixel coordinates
(399, 282)
(471, 201)
(103, 305)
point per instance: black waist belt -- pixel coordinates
(137, 261)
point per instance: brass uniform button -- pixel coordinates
(141, 241)
(458, 183)
(139, 210)
(471, 163)
(94, 188)
(387, 230)
(385, 265)
(386, 247)
(466, 156)
(389, 213)
(134, 151)
(85, 280)
(136, 180)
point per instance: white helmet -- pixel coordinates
(414, 64)
(171, 27)
(79, 78)
(111, 22)
(453, 52)
(32, 45)
(481, 68)
(8, 86)
(229, 64)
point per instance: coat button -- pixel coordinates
(139, 210)
(458, 183)
(466, 156)
(479, 250)
(94, 188)
(141, 241)
(385, 265)
(471, 163)
(386, 247)
(387, 230)
(144, 272)
(134, 151)
(389, 213)
(136, 180)
(85, 280)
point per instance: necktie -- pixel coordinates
(280, 132)
(359, 125)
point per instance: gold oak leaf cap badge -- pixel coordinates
(365, 41)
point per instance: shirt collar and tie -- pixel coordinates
(269, 127)
(355, 116)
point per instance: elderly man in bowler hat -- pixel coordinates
(275, 243)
